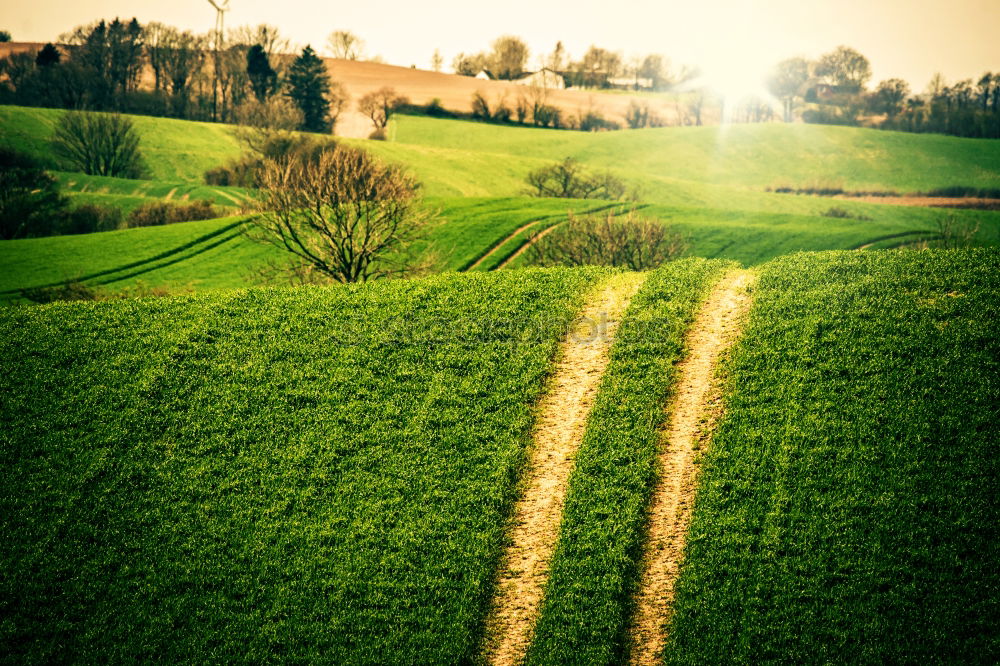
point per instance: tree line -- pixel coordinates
(249, 80)
(833, 90)
(598, 68)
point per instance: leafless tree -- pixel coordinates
(183, 60)
(342, 213)
(154, 35)
(437, 62)
(345, 45)
(606, 240)
(379, 106)
(568, 179)
(508, 58)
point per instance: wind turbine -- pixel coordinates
(220, 11)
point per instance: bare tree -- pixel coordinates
(606, 240)
(437, 62)
(567, 179)
(508, 58)
(154, 35)
(100, 144)
(183, 58)
(346, 45)
(277, 47)
(557, 60)
(342, 213)
(469, 65)
(379, 106)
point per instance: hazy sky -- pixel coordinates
(734, 42)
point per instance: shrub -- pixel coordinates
(99, 144)
(605, 240)
(30, 202)
(160, 212)
(89, 218)
(593, 121)
(844, 214)
(546, 115)
(961, 191)
(71, 291)
(567, 179)
(956, 233)
(435, 109)
(480, 107)
(262, 144)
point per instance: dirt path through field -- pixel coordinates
(562, 417)
(696, 406)
(500, 244)
(524, 248)
(229, 196)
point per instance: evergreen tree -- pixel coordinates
(309, 87)
(48, 55)
(263, 78)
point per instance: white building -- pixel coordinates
(544, 78)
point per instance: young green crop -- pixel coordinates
(284, 474)
(593, 571)
(848, 510)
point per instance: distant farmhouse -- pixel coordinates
(543, 78)
(553, 80)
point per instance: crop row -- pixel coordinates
(594, 569)
(311, 474)
(848, 510)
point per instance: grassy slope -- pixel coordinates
(174, 150)
(753, 156)
(36, 262)
(593, 571)
(706, 181)
(279, 474)
(472, 226)
(128, 194)
(848, 509)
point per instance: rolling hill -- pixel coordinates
(708, 182)
(325, 473)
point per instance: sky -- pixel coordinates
(733, 42)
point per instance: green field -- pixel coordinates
(194, 255)
(326, 473)
(707, 182)
(848, 507)
(293, 474)
(594, 569)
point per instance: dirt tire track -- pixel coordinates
(229, 196)
(503, 241)
(696, 406)
(528, 243)
(559, 428)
